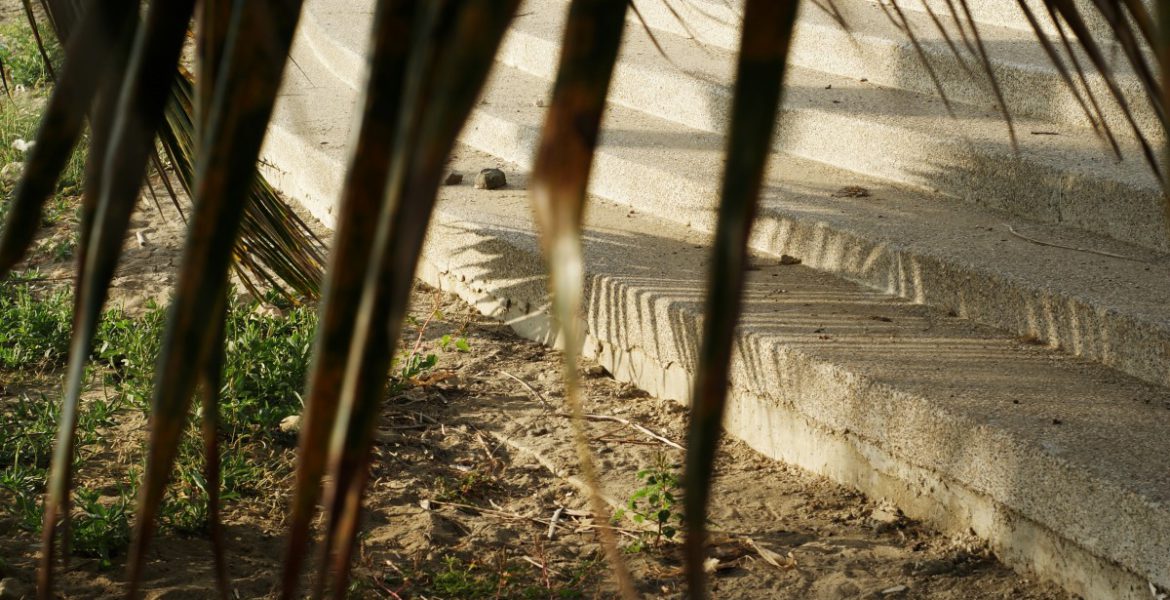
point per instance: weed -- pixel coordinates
(22, 59)
(101, 529)
(34, 330)
(20, 492)
(654, 503)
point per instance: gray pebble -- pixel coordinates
(490, 179)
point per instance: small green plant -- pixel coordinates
(34, 328)
(22, 59)
(101, 529)
(460, 343)
(655, 503)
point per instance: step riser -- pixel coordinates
(988, 173)
(883, 60)
(1096, 333)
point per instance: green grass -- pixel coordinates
(34, 328)
(23, 63)
(20, 117)
(264, 370)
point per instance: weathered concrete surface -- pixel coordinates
(1060, 463)
(924, 247)
(897, 131)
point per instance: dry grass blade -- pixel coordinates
(245, 94)
(61, 126)
(361, 201)
(101, 124)
(560, 177)
(767, 33)
(449, 65)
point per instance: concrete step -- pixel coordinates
(1062, 174)
(927, 249)
(718, 18)
(1058, 462)
(969, 260)
(892, 134)
(875, 48)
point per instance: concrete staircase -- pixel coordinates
(982, 336)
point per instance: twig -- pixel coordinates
(552, 525)
(1074, 248)
(530, 389)
(539, 520)
(540, 565)
(628, 423)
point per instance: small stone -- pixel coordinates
(786, 259)
(851, 191)
(595, 371)
(490, 179)
(931, 568)
(12, 589)
(424, 504)
(291, 424)
(12, 171)
(539, 103)
(453, 178)
(897, 589)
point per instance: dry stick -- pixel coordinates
(541, 565)
(1074, 248)
(530, 389)
(512, 516)
(628, 423)
(552, 526)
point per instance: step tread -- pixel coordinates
(876, 48)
